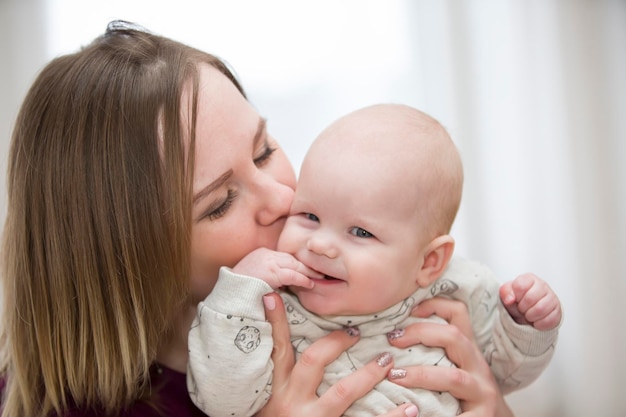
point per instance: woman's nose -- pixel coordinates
(321, 243)
(275, 198)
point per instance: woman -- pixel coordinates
(137, 168)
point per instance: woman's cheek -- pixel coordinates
(207, 256)
(200, 287)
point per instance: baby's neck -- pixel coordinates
(174, 351)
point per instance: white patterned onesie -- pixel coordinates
(230, 344)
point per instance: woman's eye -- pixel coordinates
(265, 157)
(360, 232)
(222, 209)
(312, 217)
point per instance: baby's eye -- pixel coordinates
(312, 217)
(360, 232)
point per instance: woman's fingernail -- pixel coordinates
(397, 373)
(395, 334)
(411, 411)
(353, 331)
(269, 302)
(384, 359)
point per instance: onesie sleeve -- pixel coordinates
(518, 353)
(230, 345)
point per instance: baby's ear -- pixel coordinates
(436, 258)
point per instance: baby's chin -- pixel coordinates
(322, 304)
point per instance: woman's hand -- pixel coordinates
(294, 385)
(472, 382)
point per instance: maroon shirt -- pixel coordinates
(171, 398)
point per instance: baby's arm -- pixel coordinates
(230, 343)
(517, 353)
(525, 335)
(277, 269)
(530, 300)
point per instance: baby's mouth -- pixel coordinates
(325, 276)
(329, 278)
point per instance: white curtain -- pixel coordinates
(532, 91)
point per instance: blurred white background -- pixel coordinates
(532, 91)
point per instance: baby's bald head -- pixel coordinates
(395, 146)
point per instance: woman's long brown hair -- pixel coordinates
(96, 240)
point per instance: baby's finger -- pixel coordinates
(522, 284)
(291, 271)
(288, 261)
(287, 277)
(305, 270)
(549, 322)
(507, 295)
(546, 314)
(532, 296)
(540, 309)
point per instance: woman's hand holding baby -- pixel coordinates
(295, 384)
(472, 381)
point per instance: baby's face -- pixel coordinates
(354, 220)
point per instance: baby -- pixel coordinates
(367, 239)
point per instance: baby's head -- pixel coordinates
(391, 155)
(377, 191)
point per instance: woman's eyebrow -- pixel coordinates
(212, 186)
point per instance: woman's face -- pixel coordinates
(243, 183)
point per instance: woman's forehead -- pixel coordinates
(226, 125)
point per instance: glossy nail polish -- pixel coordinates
(395, 334)
(384, 359)
(397, 373)
(352, 331)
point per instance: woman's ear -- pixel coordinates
(436, 257)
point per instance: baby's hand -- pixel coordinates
(278, 269)
(529, 300)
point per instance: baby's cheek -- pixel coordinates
(283, 241)
(287, 242)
